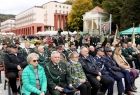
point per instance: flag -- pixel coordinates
(116, 35)
(133, 35)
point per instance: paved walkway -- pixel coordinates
(5, 92)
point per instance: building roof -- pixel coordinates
(29, 9)
(97, 9)
(96, 12)
(53, 2)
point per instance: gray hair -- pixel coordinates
(54, 52)
(31, 55)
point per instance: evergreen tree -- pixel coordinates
(113, 7)
(130, 13)
(97, 3)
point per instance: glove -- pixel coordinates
(59, 88)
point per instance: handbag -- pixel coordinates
(135, 73)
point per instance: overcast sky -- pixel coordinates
(17, 6)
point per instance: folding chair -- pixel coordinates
(7, 81)
(1, 69)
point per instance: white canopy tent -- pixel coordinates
(51, 33)
(10, 33)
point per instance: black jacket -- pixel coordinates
(89, 66)
(11, 61)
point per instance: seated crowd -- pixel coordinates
(58, 71)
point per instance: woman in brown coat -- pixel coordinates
(121, 61)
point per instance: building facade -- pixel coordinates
(92, 20)
(50, 16)
(30, 21)
(8, 25)
(56, 15)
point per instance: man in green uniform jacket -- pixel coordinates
(58, 75)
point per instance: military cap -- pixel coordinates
(12, 46)
(100, 49)
(108, 49)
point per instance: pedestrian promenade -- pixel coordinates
(5, 92)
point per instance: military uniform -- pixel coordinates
(131, 52)
(27, 51)
(127, 56)
(116, 72)
(92, 71)
(58, 75)
(43, 58)
(125, 52)
(105, 74)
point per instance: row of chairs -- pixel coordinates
(6, 81)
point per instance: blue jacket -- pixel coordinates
(29, 80)
(89, 66)
(112, 67)
(100, 62)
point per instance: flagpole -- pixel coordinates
(110, 23)
(115, 36)
(100, 26)
(133, 35)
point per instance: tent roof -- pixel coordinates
(130, 31)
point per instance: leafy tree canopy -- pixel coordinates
(70, 2)
(75, 18)
(124, 12)
(130, 13)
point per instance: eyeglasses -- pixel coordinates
(56, 57)
(35, 60)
